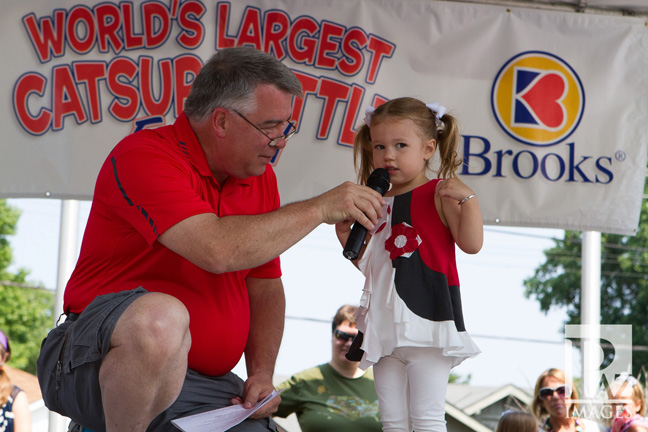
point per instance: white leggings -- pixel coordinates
(411, 384)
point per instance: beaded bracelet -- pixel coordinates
(467, 198)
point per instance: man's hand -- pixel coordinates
(255, 390)
(350, 201)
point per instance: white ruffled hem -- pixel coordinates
(431, 334)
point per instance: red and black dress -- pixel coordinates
(411, 295)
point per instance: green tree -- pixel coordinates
(455, 378)
(624, 282)
(25, 312)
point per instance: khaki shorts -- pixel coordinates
(71, 356)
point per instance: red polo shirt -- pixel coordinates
(150, 181)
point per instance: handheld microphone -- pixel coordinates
(379, 181)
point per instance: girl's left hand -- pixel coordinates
(453, 188)
(464, 221)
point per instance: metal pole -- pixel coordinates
(67, 258)
(592, 355)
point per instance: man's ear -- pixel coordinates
(220, 122)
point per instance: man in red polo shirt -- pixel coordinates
(179, 274)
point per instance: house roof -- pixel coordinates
(473, 399)
(26, 381)
(464, 418)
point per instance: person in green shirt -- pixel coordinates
(334, 396)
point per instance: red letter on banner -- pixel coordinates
(276, 28)
(155, 13)
(26, 85)
(162, 105)
(309, 86)
(81, 16)
(355, 40)
(108, 24)
(65, 97)
(90, 73)
(125, 105)
(131, 39)
(222, 19)
(47, 39)
(330, 34)
(347, 134)
(189, 21)
(250, 31)
(379, 48)
(332, 92)
(183, 67)
(307, 54)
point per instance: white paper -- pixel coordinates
(219, 420)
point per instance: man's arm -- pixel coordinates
(233, 243)
(267, 311)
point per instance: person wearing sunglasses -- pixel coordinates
(554, 403)
(179, 267)
(334, 396)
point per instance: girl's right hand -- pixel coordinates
(343, 230)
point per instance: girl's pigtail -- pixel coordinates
(363, 154)
(5, 385)
(447, 143)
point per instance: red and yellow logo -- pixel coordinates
(537, 98)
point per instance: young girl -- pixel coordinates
(628, 415)
(410, 311)
(14, 405)
(517, 421)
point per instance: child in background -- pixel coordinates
(628, 415)
(517, 421)
(410, 313)
(14, 405)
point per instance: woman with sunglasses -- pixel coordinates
(334, 396)
(554, 403)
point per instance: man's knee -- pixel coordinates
(155, 322)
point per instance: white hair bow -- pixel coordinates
(368, 113)
(625, 377)
(439, 111)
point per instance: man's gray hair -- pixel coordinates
(230, 77)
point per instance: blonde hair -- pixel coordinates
(638, 395)
(5, 383)
(406, 108)
(517, 421)
(537, 408)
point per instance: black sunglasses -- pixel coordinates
(343, 336)
(289, 130)
(547, 392)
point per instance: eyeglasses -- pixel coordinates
(344, 336)
(547, 392)
(289, 131)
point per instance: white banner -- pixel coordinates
(553, 105)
